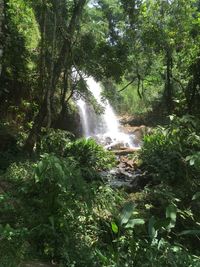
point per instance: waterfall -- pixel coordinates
(105, 128)
(108, 118)
(83, 116)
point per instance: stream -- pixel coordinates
(107, 131)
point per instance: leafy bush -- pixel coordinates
(13, 246)
(139, 242)
(64, 209)
(83, 224)
(91, 157)
(54, 141)
(172, 154)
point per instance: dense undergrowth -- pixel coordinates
(55, 206)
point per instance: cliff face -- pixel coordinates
(1, 31)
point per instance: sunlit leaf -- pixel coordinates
(190, 232)
(126, 213)
(133, 222)
(151, 229)
(115, 228)
(196, 196)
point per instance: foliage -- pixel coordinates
(171, 153)
(58, 208)
(57, 215)
(22, 37)
(8, 146)
(171, 156)
(53, 205)
(54, 141)
(90, 156)
(13, 247)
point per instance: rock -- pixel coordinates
(108, 140)
(132, 120)
(126, 175)
(115, 145)
(68, 120)
(130, 163)
(126, 151)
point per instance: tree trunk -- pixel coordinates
(1, 32)
(42, 61)
(50, 88)
(168, 93)
(37, 125)
(56, 70)
(192, 92)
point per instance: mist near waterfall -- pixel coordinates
(104, 127)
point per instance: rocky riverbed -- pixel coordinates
(126, 175)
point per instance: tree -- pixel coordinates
(58, 56)
(1, 31)
(163, 31)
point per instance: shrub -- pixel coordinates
(64, 211)
(90, 157)
(168, 151)
(54, 141)
(13, 246)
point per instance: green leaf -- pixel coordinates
(101, 256)
(151, 229)
(188, 158)
(126, 213)
(190, 232)
(40, 167)
(133, 222)
(196, 196)
(192, 162)
(115, 228)
(171, 212)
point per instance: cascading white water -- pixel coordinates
(83, 116)
(109, 118)
(104, 127)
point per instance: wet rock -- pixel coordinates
(126, 151)
(108, 140)
(115, 146)
(126, 175)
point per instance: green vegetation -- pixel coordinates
(55, 208)
(55, 205)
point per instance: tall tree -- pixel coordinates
(1, 31)
(58, 56)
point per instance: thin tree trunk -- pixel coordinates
(1, 32)
(36, 129)
(65, 88)
(42, 63)
(192, 92)
(50, 88)
(168, 82)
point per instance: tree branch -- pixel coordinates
(127, 84)
(179, 82)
